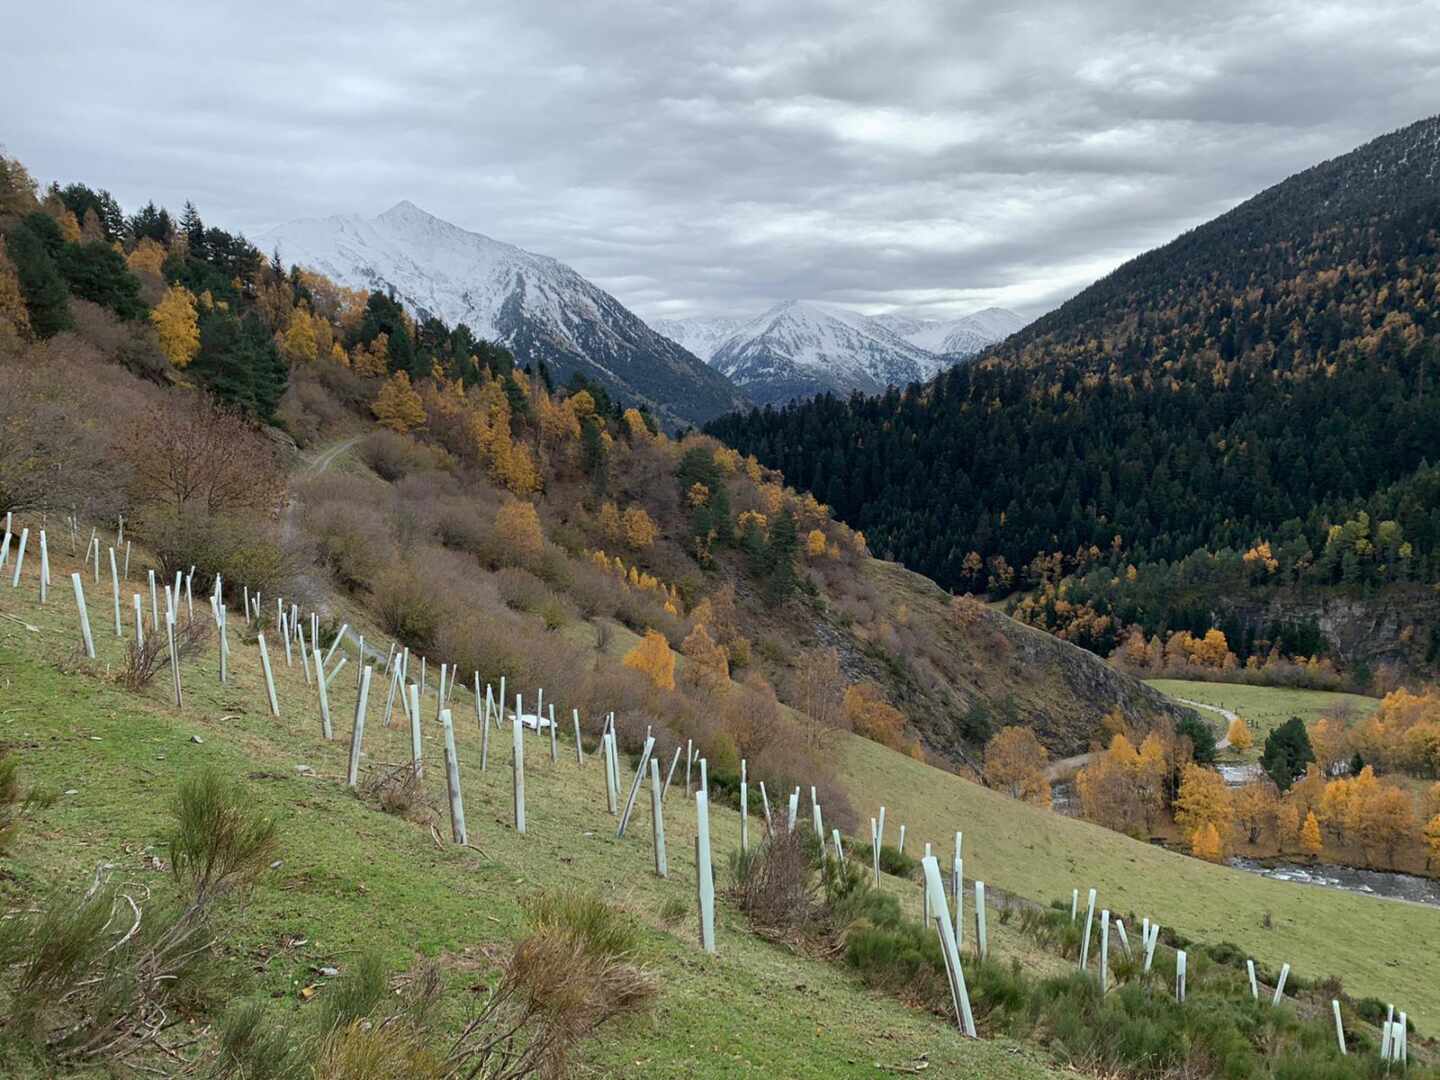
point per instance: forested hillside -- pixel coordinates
(571, 519)
(1251, 408)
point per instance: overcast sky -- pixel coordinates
(714, 157)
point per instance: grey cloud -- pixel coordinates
(713, 157)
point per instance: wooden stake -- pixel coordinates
(79, 603)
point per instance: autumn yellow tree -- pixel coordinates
(872, 717)
(1255, 806)
(1206, 843)
(707, 666)
(177, 326)
(147, 258)
(1432, 841)
(398, 406)
(815, 543)
(1239, 734)
(1203, 800)
(1310, 836)
(13, 313)
(517, 525)
(653, 658)
(639, 529)
(1015, 762)
(298, 342)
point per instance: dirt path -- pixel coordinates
(1057, 769)
(325, 456)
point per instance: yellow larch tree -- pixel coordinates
(1432, 841)
(517, 525)
(13, 313)
(1203, 800)
(815, 544)
(707, 666)
(639, 529)
(1310, 839)
(177, 326)
(398, 406)
(147, 258)
(653, 658)
(297, 340)
(1239, 734)
(1206, 843)
(1015, 762)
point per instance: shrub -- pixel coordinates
(143, 662)
(775, 883)
(14, 805)
(218, 842)
(392, 455)
(521, 590)
(240, 549)
(410, 607)
(896, 863)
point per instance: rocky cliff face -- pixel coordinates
(964, 672)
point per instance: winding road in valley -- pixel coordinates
(1068, 765)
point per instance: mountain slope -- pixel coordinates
(701, 334)
(541, 309)
(961, 337)
(799, 349)
(1267, 380)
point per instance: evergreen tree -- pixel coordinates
(97, 272)
(593, 456)
(1287, 753)
(47, 301)
(1200, 736)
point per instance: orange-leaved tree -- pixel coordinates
(398, 406)
(1203, 800)
(1015, 762)
(1310, 835)
(1239, 734)
(1205, 844)
(517, 525)
(177, 325)
(653, 658)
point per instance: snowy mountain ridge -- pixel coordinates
(541, 309)
(798, 348)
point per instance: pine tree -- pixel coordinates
(1287, 753)
(47, 301)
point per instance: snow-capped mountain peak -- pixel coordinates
(799, 348)
(537, 306)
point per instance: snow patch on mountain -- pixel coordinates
(537, 306)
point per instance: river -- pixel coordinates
(1384, 883)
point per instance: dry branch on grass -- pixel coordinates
(143, 662)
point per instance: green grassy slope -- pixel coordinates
(354, 878)
(1378, 947)
(1265, 706)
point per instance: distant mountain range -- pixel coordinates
(541, 309)
(798, 349)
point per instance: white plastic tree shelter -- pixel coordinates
(357, 733)
(959, 994)
(704, 878)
